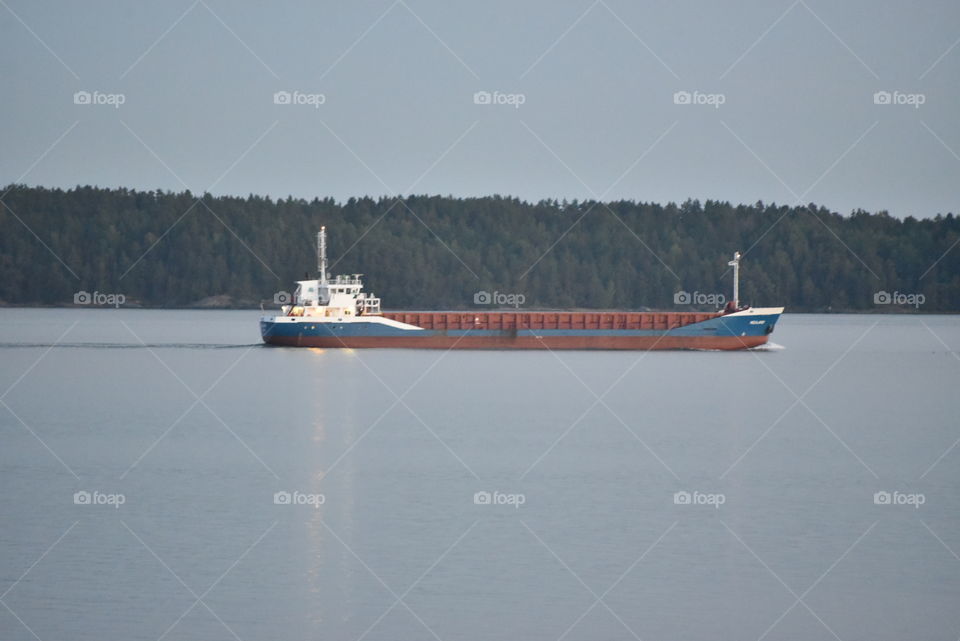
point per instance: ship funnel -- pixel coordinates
(735, 263)
(322, 255)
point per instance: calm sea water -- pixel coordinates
(164, 476)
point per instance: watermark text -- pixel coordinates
(699, 98)
(499, 498)
(499, 98)
(898, 298)
(98, 298)
(299, 98)
(498, 298)
(699, 498)
(99, 98)
(699, 298)
(899, 498)
(83, 497)
(899, 98)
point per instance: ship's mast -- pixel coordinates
(322, 255)
(735, 263)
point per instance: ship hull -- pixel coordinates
(525, 342)
(557, 331)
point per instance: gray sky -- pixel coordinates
(598, 83)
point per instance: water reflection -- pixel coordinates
(332, 469)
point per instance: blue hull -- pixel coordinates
(734, 331)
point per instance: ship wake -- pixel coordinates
(768, 347)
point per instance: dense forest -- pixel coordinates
(159, 248)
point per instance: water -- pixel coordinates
(398, 443)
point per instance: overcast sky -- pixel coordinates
(584, 99)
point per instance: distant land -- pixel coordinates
(166, 249)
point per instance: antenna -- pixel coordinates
(735, 263)
(322, 255)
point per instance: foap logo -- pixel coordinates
(499, 98)
(898, 298)
(698, 498)
(98, 298)
(99, 98)
(698, 298)
(502, 299)
(298, 498)
(282, 298)
(299, 98)
(899, 498)
(499, 498)
(97, 497)
(899, 98)
(699, 98)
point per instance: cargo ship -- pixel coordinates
(335, 312)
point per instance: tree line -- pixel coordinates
(169, 249)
